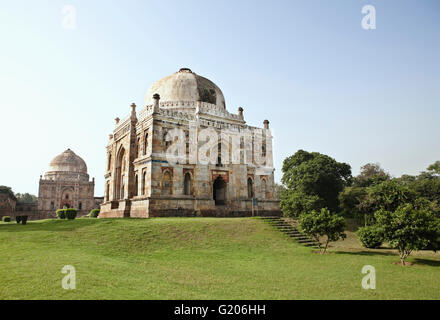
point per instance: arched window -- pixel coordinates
(219, 191)
(145, 142)
(263, 189)
(143, 183)
(109, 161)
(52, 205)
(187, 184)
(167, 183)
(80, 206)
(250, 188)
(119, 177)
(136, 185)
(107, 194)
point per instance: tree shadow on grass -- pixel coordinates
(48, 225)
(366, 253)
(427, 262)
(415, 261)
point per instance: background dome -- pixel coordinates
(68, 161)
(185, 85)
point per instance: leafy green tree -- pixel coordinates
(313, 181)
(371, 174)
(370, 236)
(407, 179)
(7, 190)
(408, 229)
(278, 190)
(349, 200)
(26, 198)
(294, 203)
(427, 186)
(388, 195)
(322, 223)
(434, 168)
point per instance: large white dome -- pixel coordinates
(68, 161)
(185, 85)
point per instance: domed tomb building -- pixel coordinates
(66, 184)
(185, 154)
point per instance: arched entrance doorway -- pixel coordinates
(187, 184)
(120, 168)
(67, 198)
(219, 191)
(250, 188)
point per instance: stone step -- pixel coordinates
(286, 228)
(290, 230)
(299, 237)
(310, 245)
(306, 241)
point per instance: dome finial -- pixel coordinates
(156, 98)
(185, 70)
(240, 112)
(266, 124)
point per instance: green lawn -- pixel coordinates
(195, 258)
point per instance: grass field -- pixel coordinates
(196, 258)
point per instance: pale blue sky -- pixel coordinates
(324, 83)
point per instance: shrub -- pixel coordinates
(6, 219)
(370, 237)
(71, 213)
(18, 219)
(61, 213)
(323, 223)
(94, 213)
(408, 229)
(24, 219)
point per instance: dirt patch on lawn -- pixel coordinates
(407, 264)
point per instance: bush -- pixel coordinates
(71, 213)
(370, 237)
(408, 229)
(68, 213)
(18, 219)
(94, 213)
(323, 223)
(61, 213)
(24, 219)
(6, 219)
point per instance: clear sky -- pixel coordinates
(324, 82)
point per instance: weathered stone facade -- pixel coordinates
(142, 181)
(8, 202)
(66, 184)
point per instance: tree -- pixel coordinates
(26, 198)
(278, 190)
(408, 229)
(371, 174)
(435, 168)
(7, 190)
(349, 200)
(313, 182)
(427, 186)
(322, 223)
(388, 195)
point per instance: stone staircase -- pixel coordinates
(290, 230)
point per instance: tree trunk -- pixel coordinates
(326, 245)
